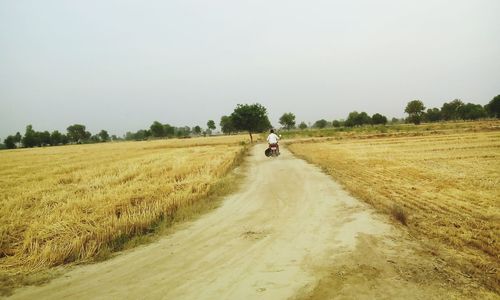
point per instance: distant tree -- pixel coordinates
(287, 120)
(433, 115)
(493, 107)
(211, 125)
(302, 125)
(251, 118)
(168, 130)
(336, 123)
(18, 138)
(103, 134)
(451, 110)
(471, 111)
(182, 132)
(114, 137)
(30, 138)
(55, 138)
(44, 138)
(320, 124)
(76, 133)
(415, 111)
(394, 120)
(357, 119)
(226, 125)
(10, 142)
(197, 130)
(378, 119)
(157, 129)
(64, 139)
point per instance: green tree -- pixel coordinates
(302, 125)
(451, 110)
(471, 111)
(211, 125)
(336, 123)
(64, 139)
(493, 107)
(10, 142)
(251, 118)
(357, 119)
(168, 130)
(197, 130)
(320, 124)
(103, 134)
(55, 138)
(44, 138)
(433, 115)
(378, 119)
(157, 129)
(30, 138)
(76, 133)
(415, 111)
(287, 120)
(18, 138)
(226, 125)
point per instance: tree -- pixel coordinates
(103, 134)
(77, 133)
(320, 124)
(302, 125)
(415, 111)
(197, 130)
(64, 139)
(168, 130)
(378, 119)
(55, 138)
(471, 111)
(44, 138)
(211, 125)
(433, 115)
(336, 123)
(493, 107)
(357, 119)
(17, 138)
(181, 132)
(157, 129)
(226, 125)
(30, 138)
(251, 118)
(287, 120)
(10, 142)
(451, 110)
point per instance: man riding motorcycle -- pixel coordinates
(273, 139)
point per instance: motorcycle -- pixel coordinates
(272, 151)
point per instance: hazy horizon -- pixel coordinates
(120, 65)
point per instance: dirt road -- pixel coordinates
(290, 232)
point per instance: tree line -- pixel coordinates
(76, 134)
(417, 113)
(453, 110)
(253, 118)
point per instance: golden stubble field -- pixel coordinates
(447, 184)
(71, 203)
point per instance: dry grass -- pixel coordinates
(447, 185)
(75, 203)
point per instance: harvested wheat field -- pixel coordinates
(443, 186)
(73, 203)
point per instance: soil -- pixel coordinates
(289, 232)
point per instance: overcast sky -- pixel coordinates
(120, 65)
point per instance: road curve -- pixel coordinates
(271, 240)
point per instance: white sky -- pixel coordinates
(120, 65)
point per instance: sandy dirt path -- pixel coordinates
(290, 232)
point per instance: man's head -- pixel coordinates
(272, 130)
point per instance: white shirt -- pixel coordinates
(272, 138)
